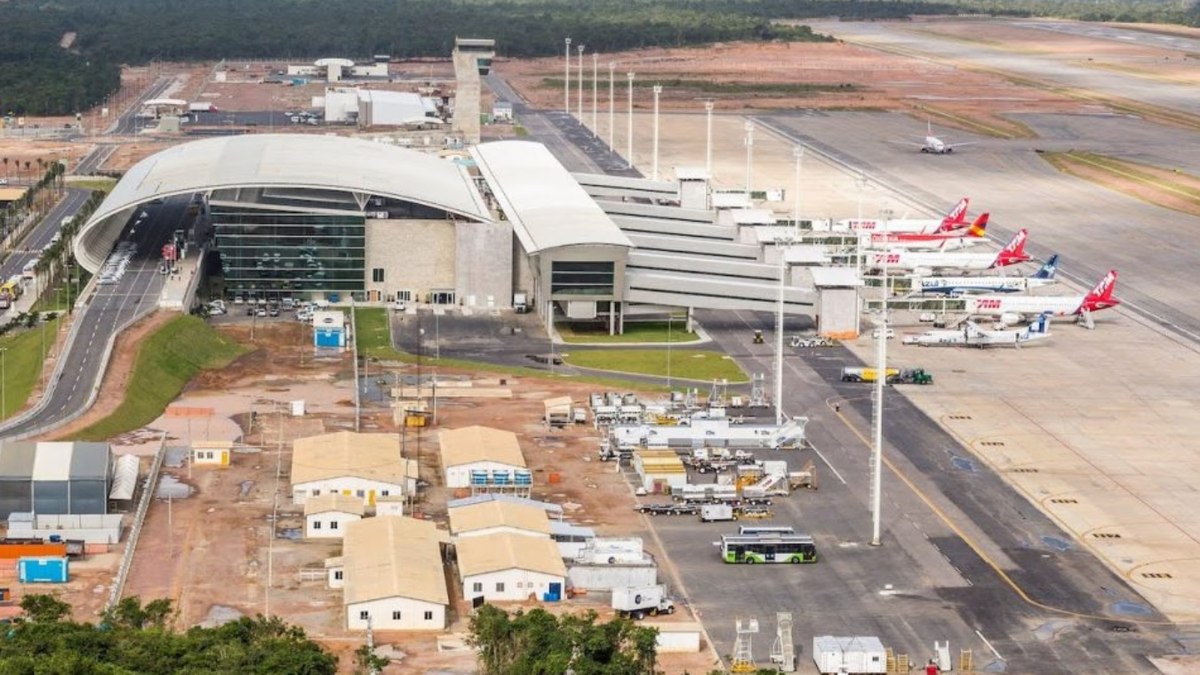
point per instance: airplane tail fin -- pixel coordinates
(1014, 251)
(979, 227)
(1048, 269)
(1101, 296)
(956, 217)
(1042, 325)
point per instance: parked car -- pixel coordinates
(891, 333)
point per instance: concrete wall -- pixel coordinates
(608, 577)
(412, 615)
(416, 255)
(484, 279)
(522, 278)
(518, 585)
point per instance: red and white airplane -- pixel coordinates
(950, 240)
(1012, 253)
(1016, 308)
(955, 219)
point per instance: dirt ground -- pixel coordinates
(209, 552)
(881, 81)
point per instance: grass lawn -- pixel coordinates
(23, 364)
(374, 339)
(647, 331)
(92, 183)
(166, 361)
(685, 363)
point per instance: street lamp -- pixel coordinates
(612, 134)
(782, 242)
(798, 153)
(3, 386)
(567, 80)
(580, 85)
(708, 110)
(749, 156)
(657, 91)
(880, 380)
(595, 57)
(629, 131)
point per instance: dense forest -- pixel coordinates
(38, 76)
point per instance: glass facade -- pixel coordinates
(268, 253)
(581, 278)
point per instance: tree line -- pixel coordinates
(38, 76)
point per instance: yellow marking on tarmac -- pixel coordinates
(1187, 193)
(1008, 580)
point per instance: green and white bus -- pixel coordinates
(768, 548)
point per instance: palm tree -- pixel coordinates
(5, 160)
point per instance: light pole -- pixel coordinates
(595, 57)
(782, 242)
(579, 86)
(3, 386)
(612, 134)
(657, 91)
(880, 380)
(567, 81)
(708, 110)
(629, 119)
(861, 182)
(749, 156)
(798, 153)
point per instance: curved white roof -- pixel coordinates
(547, 206)
(282, 161)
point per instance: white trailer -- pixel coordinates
(849, 655)
(638, 601)
(711, 513)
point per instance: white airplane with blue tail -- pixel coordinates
(966, 285)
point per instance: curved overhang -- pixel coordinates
(546, 205)
(280, 161)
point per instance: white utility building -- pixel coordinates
(393, 575)
(505, 566)
(326, 516)
(476, 449)
(365, 466)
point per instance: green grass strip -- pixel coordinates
(690, 364)
(166, 361)
(23, 361)
(642, 331)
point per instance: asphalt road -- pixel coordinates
(107, 310)
(37, 238)
(128, 123)
(925, 582)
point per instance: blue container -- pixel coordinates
(42, 570)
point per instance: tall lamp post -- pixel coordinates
(708, 111)
(657, 91)
(3, 386)
(595, 57)
(612, 134)
(880, 380)
(629, 120)
(749, 156)
(567, 80)
(579, 87)
(782, 243)
(798, 153)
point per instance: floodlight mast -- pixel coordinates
(567, 80)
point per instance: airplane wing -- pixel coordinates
(959, 145)
(914, 144)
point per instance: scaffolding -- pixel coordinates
(758, 391)
(716, 395)
(743, 651)
(783, 652)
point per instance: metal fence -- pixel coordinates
(135, 530)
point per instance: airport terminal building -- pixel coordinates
(313, 216)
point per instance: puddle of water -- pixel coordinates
(963, 464)
(289, 533)
(244, 489)
(1128, 607)
(169, 487)
(1056, 543)
(175, 456)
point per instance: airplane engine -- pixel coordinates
(1009, 318)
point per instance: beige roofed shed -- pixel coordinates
(498, 515)
(499, 552)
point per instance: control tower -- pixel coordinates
(472, 58)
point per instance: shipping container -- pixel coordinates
(16, 469)
(13, 550)
(849, 655)
(43, 570)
